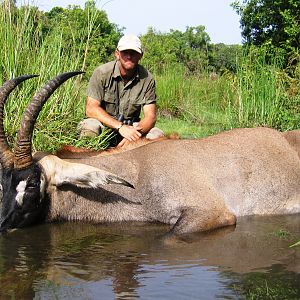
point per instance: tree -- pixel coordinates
(159, 50)
(224, 57)
(189, 48)
(88, 28)
(194, 48)
(275, 24)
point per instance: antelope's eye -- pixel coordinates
(32, 184)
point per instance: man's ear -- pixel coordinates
(117, 54)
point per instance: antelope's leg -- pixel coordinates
(197, 219)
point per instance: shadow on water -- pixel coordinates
(83, 261)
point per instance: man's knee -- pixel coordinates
(154, 133)
(89, 127)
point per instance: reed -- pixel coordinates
(259, 94)
(260, 91)
(198, 100)
(26, 51)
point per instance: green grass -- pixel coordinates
(193, 106)
(282, 234)
(186, 129)
(258, 95)
(260, 92)
(199, 100)
(276, 283)
(295, 244)
(25, 52)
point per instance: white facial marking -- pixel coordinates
(21, 190)
(42, 187)
(1, 193)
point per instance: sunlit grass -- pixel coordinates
(191, 105)
(257, 95)
(25, 52)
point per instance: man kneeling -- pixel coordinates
(117, 92)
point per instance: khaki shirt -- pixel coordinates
(107, 86)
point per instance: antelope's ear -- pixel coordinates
(59, 172)
(92, 179)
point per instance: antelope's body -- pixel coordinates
(193, 185)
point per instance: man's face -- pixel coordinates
(128, 59)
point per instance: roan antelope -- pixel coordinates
(193, 185)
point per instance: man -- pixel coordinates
(117, 92)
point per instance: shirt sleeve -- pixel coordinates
(150, 95)
(95, 87)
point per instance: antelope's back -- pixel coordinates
(254, 171)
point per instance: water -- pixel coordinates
(132, 261)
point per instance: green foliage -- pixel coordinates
(193, 53)
(159, 50)
(274, 284)
(88, 30)
(274, 94)
(258, 94)
(58, 133)
(204, 104)
(275, 24)
(202, 88)
(33, 42)
(189, 49)
(224, 58)
(295, 244)
(261, 94)
(27, 50)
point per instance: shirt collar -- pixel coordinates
(117, 73)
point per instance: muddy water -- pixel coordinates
(82, 261)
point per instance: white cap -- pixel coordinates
(130, 42)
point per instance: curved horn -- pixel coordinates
(22, 150)
(6, 156)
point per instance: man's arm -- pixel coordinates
(145, 124)
(93, 110)
(149, 119)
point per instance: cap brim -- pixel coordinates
(130, 48)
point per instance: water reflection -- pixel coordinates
(83, 261)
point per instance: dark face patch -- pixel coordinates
(23, 195)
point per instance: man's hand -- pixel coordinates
(130, 133)
(123, 143)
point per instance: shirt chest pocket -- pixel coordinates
(109, 104)
(134, 107)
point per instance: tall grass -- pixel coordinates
(199, 100)
(26, 51)
(260, 90)
(259, 94)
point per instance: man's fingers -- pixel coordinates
(130, 133)
(123, 143)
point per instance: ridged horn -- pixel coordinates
(23, 146)
(6, 155)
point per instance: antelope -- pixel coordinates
(192, 185)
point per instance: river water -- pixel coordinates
(137, 261)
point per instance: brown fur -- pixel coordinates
(193, 185)
(68, 151)
(293, 137)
